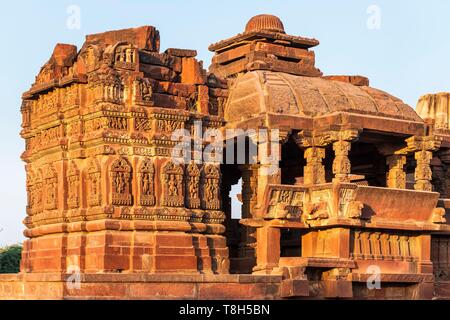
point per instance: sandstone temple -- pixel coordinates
(358, 206)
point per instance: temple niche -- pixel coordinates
(362, 180)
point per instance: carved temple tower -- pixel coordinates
(104, 191)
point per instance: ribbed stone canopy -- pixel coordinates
(265, 22)
(261, 91)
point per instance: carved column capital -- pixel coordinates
(423, 143)
(315, 143)
(283, 136)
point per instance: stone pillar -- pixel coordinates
(249, 189)
(246, 250)
(314, 170)
(269, 156)
(341, 162)
(396, 177)
(423, 174)
(267, 250)
(423, 148)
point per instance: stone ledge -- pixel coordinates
(204, 287)
(142, 278)
(396, 278)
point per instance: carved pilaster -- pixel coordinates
(314, 171)
(249, 201)
(249, 189)
(341, 162)
(396, 177)
(423, 174)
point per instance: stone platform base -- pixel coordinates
(199, 287)
(138, 286)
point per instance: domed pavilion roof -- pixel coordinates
(274, 75)
(262, 91)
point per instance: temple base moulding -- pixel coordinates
(56, 286)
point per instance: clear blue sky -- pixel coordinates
(408, 56)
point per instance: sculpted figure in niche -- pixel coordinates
(121, 184)
(51, 180)
(145, 184)
(211, 184)
(172, 176)
(94, 175)
(73, 177)
(145, 175)
(193, 176)
(143, 91)
(173, 190)
(146, 91)
(193, 188)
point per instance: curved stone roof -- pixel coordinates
(259, 92)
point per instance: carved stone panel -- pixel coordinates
(192, 186)
(146, 183)
(51, 188)
(35, 192)
(172, 178)
(143, 92)
(125, 57)
(121, 182)
(211, 187)
(94, 184)
(73, 179)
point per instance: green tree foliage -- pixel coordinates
(10, 259)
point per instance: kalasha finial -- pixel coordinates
(265, 22)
